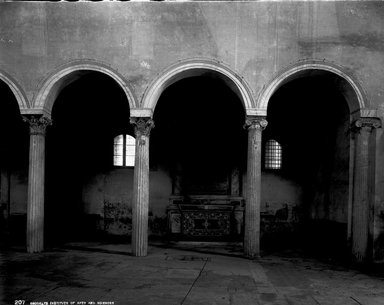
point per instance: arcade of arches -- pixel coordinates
(202, 168)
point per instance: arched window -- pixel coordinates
(124, 150)
(273, 155)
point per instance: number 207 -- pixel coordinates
(19, 302)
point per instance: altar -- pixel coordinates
(205, 217)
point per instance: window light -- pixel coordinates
(273, 155)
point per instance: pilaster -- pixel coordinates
(255, 126)
(363, 188)
(35, 204)
(140, 202)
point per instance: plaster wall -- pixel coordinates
(108, 198)
(14, 202)
(331, 185)
(277, 193)
(18, 192)
(255, 39)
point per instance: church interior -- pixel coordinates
(247, 125)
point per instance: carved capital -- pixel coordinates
(37, 125)
(143, 125)
(259, 123)
(367, 124)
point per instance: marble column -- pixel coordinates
(255, 126)
(35, 204)
(363, 188)
(140, 202)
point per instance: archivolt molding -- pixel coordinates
(290, 71)
(189, 67)
(18, 92)
(50, 87)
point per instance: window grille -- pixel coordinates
(273, 155)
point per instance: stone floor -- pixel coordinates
(189, 274)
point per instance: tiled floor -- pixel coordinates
(190, 275)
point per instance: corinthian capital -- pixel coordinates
(143, 125)
(366, 123)
(37, 125)
(258, 122)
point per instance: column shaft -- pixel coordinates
(35, 205)
(35, 209)
(252, 201)
(140, 201)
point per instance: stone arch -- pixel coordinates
(196, 67)
(357, 101)
(18, 92)
(68, 73)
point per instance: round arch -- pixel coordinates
(19, 94)
(53, 84)
(356, 101)
(197, 67)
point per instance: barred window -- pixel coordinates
(273, 155)
(124, 150)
